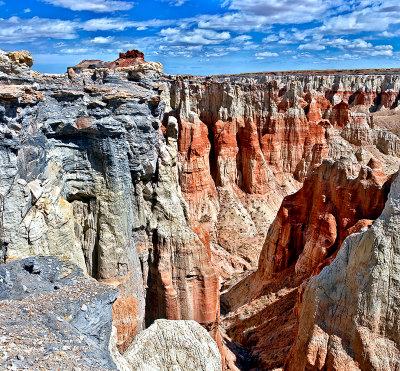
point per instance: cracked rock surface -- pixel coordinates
(53, 317)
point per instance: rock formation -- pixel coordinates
(88, 176)
(174, 345)
(337, 199)
(350, 312)
(249, 140)
(165, 186)
(52, 317)
(312, 223)
(128, 59)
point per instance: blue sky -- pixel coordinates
(206, 37)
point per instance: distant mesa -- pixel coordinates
(128, 59)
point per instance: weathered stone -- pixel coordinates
(174, 345)
(350, 313)
(42, 318)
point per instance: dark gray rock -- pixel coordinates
(55, 316)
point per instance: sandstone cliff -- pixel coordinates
(311, 224)
(337, 199)
(87, 175)
(249, 140)
(165, 186)
(350, 313)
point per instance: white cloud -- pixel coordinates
(216, 54)
(284, 11)
(120, 24)
(16, 30)
(198, 36)
(175, 2)
(361, 46)
(98, 6)
(75, 51)
(102, 40)
(270, 39)
(27, 10)
(241, 38)
(369, 16)
(263, 55)
(239, 22)
(311, 46)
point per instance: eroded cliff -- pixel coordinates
(169, 188)
(249, 140)
(350, 312)
(88, 176)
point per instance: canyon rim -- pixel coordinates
(152, 218)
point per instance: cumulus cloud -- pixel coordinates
(98, 6)
(102, 40)
(263, 55)
(120, 24)
(311, 46)
(16, 30)
(175, 2)
(362, 46)
(198, 36)
(241, 38)
(77, 51)
(270, 39)
(238, 22)
(369, 16)
(283, 11)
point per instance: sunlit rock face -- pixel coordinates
(87, 175)
(169, 188)
(174, 345)
(350, 314)
(337, 199)
(247, 141)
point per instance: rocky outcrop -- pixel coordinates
(16, 63)
(350, 313)
(337, 199)
(312, 223)
(87, 175)
(160, 185)
(174, 345)
(128, 59)
(53, 317)
(249, 140)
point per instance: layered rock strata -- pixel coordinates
(350, 312)
(311, 224)
(54, 317)
(159, 184)
(249, 140)
(338, 199)
(88, 176)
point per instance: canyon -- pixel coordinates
(262, 206)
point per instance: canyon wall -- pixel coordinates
(350, 312)
(88, 176)
(172, 188)
(247, 141)
(311, 224)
